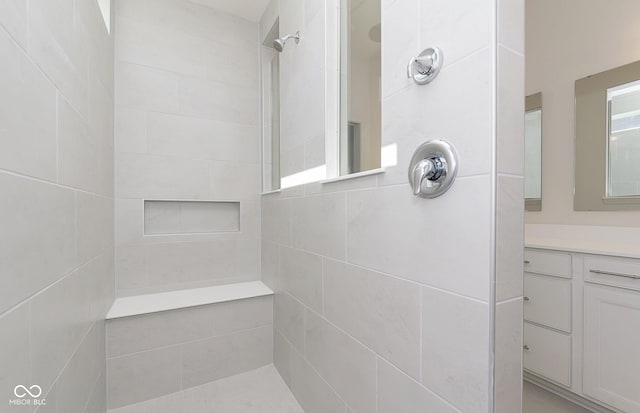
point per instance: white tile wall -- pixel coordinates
(157, 354)
(508, 385)
(56, 212)
(187, 111)
(211, 359)
(28, 112)
(380, 311)
(156, 373)
(301, 273)
(399, 393)
(346, 365)
(312, 392)
(456, 347)
(13, 17)
(407, 287)
(289, 319)
(510, 214)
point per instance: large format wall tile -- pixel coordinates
(276, 220)
(195, 138)
(455, 345)
(288, 314)
(301, 275)
(38, 240)
(27, 112)
(145, 332)
(211, 359)
(15, 343)
(145, 88)
(461, 101)
(399, 393)
(380, 311)
(155, 372)
(313, 393)
(56, 248)
(380, 245)
(282, 356)
(346, 365)
(197, 345)
(392, 231)
(509, 238)
(458, 28)
(94, 220)
(186, 129)
(13, 17)
(102, 284)
(151, 176)
(508, 355)
(58, 46)
(82, 373)
(60, 317)
(510, 151)
(318, 224)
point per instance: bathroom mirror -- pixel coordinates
(608, 140)
(533, 153)
(360, 71)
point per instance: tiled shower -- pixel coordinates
(144, 267)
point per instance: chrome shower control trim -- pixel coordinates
(433, 169)
(426, 66)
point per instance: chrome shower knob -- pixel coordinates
(433, 169)
(426, 66)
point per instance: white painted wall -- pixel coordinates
(56, 208)
(566, 41)
(187, 128)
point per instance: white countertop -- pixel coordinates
(614, 241)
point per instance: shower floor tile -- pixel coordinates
(257, 391)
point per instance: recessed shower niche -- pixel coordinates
(190, 217)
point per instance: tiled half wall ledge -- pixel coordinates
(158, 344)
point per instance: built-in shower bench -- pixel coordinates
(162, 343)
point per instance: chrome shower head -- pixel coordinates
(279, 43)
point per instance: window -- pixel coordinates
(623, 103)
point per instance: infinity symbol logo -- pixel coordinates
(21, 391)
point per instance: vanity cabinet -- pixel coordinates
(582, 327)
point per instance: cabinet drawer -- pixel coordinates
(548, 301)
(548, 263)
(547, 353)
(617, 272)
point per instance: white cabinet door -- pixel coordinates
(611, 366)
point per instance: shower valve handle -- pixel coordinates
(426, 66)
(433, 169)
